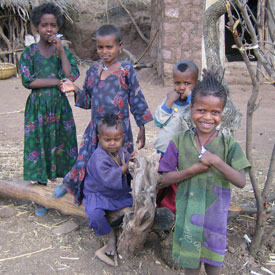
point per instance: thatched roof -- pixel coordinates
(23, 7)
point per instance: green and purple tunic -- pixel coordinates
(202, 201)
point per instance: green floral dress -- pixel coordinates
(50, 145)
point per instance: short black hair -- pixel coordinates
(109, 120)
(109, 30)
(185, 65)
(209, 85)
(47, 8)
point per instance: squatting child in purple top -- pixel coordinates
(110, 87)
(107, 185)
(203, 162)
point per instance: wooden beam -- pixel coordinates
(42, 195)
(11, 51)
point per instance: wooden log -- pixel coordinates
(42, 195)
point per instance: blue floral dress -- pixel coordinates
(115, 94)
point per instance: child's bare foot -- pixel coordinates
(108, 250)
(111, 244)
(100, 254)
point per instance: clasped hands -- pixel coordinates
(66, 86)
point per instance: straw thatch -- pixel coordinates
(15, 24)
(23, 7)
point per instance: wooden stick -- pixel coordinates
(148, 47)
(26, 254)
(134, 22)
(10, 52)
(131, 56)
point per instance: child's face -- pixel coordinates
(207, 113)
(111, 138)
(48, 26)
(184, 82)
(108, 48)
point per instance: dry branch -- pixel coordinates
(148, 47)
(134, 22)
(246, 24)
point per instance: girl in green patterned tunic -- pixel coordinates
(50, 145)
(203, 162)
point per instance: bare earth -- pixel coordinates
(28, 244)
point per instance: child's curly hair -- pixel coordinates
(47, 8)
(110, 120)
(210, 84)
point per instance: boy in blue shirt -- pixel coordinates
(172, 117)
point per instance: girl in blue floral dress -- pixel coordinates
(110, 87)
(50, 145)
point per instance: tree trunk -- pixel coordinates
(231, 116)
(138, 223)
(210, 36)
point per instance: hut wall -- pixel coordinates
(180, 34)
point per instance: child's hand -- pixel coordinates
(141, 137)
(55, 41)
(200, 168)
(208, 158)
(172, 96)
(66, 86)
(132, 157)
(185, 94)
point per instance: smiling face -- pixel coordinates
(184, 82)
(48, 26)
(111, 138)
(207, 113)
(108, 48)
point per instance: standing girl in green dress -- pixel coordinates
(204, 163)
(50, 145)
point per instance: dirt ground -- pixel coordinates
(28, 243)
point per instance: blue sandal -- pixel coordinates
(40, 210)
(59, 191)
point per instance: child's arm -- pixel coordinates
(236, 177)
(56, 42)
(29, 76)
(172, 96)
(170, 178)
(138, 104)
(72, 72)
(163, 114)
(124, 167)
(141, 137)
(168, 165)
(82, 97)
(42, 83)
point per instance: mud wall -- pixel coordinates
(180, 34)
